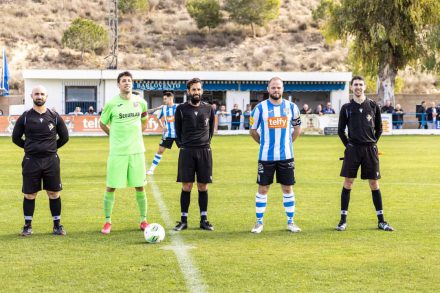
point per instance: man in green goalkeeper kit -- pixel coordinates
(123, 118)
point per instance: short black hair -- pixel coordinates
(168, 94)
(357, 77)
(125, 73)
(192, 81)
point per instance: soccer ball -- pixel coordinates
(154, 233)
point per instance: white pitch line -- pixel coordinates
(190, 272)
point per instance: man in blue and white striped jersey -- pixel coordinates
(275, 125)
(169, 129)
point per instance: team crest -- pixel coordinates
(41, 120)
(360, 110)
(369, 117)
(135, 104)
(287, 111)
(196, 113)
(50, 126)
(206, 121)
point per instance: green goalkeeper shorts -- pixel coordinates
(126, 171)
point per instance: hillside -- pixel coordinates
(167, 39)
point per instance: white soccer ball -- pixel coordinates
(154, 233)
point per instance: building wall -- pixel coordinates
(339, 98)
(240, 98)
(55, 93)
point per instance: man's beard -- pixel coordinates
(39, 103)
(194, 99)
(275, 96)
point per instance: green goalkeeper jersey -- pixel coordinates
(125, 119)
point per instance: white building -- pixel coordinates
(70, 88)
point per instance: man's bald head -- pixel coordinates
(39, 95)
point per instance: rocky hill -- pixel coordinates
(166, 38)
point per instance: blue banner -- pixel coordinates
(4, 82)
(166, 85)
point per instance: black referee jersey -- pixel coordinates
(40, 133)
(363, 121)
(194, 125)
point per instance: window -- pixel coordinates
(80, 96)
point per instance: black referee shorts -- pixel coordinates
(364, 156)
(284, 169)
(38, 170)
(194, 162)
(167, 142)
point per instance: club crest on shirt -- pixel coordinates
(135, 104)
(369, 117)
(41, 120)
(196, 113)
(206, 121)
(360, 110)
(286, 111)
(50, 126)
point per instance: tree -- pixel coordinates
(85, 35)
(384, 36)
(131, 6)
(205, 12)
(253, 12)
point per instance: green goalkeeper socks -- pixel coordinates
(109, 201)
(141, 199)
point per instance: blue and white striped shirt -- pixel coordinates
(168, 114)
(275, 123)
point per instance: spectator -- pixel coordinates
(214, 107)
(76, 112)
(387, 108)
(328, 109)
(222, 117)
(318, 110)
(235, 118)
(421, 115)
(91, 111)
(431, 116)
(398, 117)
(305, 109)
(1, 112)
(247, 116)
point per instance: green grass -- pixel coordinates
(231, 259)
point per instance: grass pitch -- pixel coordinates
(230, 259)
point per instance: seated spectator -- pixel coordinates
(305, 110)
(328, 109)
(222, 117)
(91, 111)
(247, 116)
(387, 108)
(398, 117)
(431, 116)
(318, 110)
(76, 112)
(235, 118)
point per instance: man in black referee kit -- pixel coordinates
(194, 121)
(40, 127)
(362, 118)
